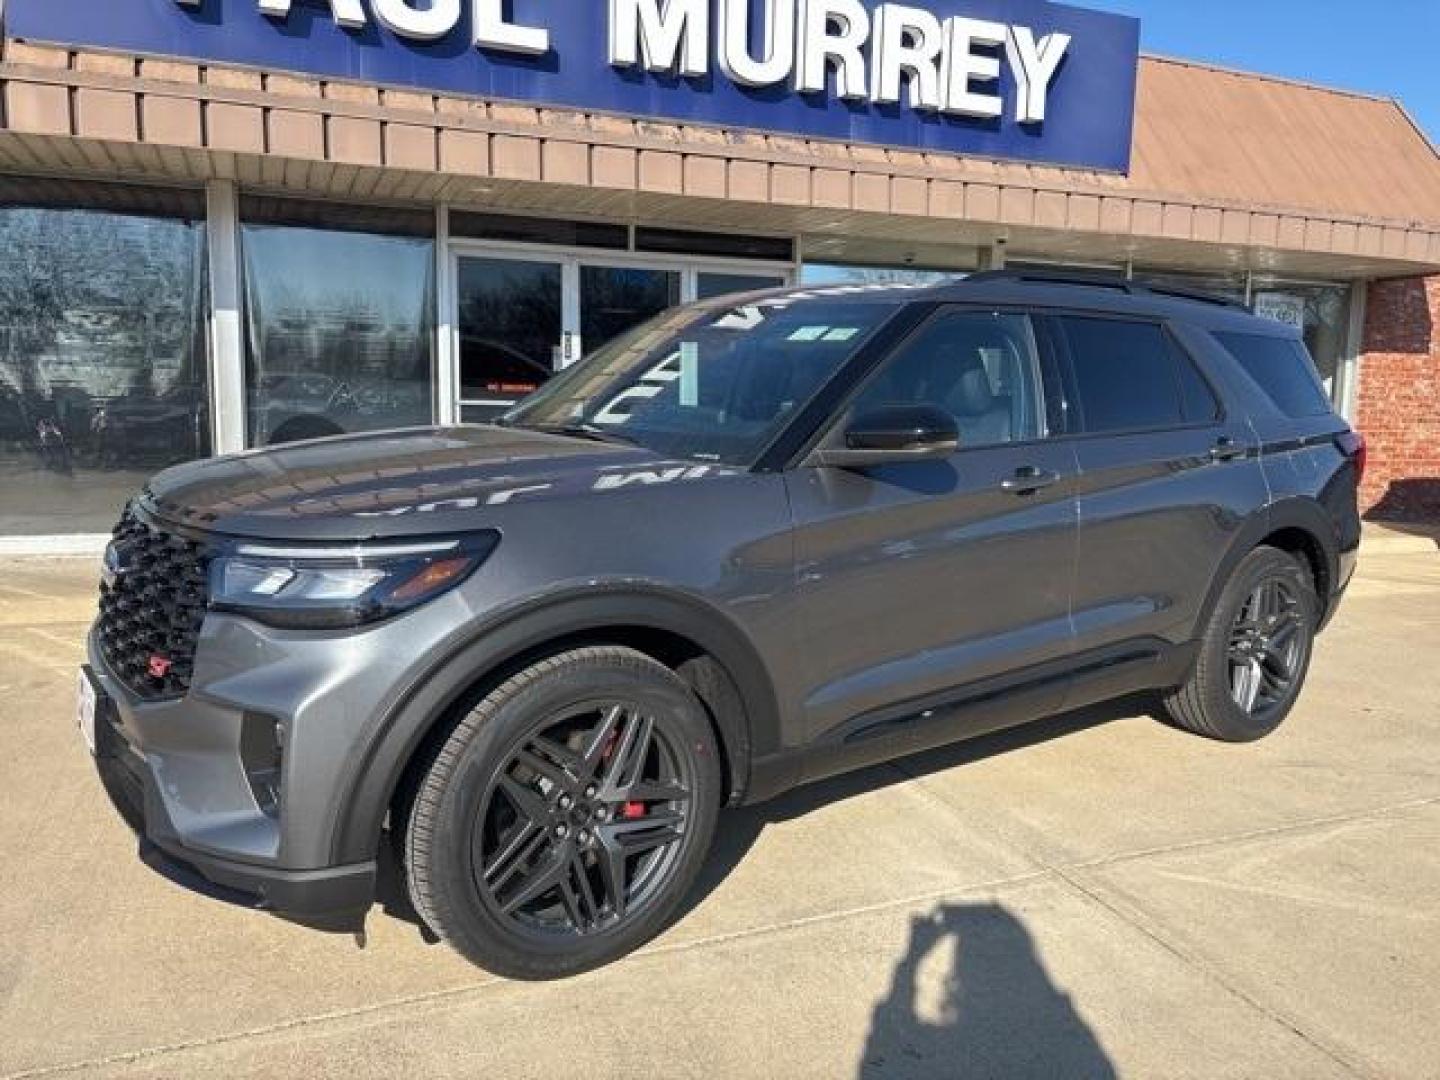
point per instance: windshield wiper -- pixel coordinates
(586, 431)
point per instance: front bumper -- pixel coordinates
(334, 898)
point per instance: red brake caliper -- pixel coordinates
(629, 811)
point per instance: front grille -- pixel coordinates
(152, 603)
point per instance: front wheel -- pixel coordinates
(1255, 652)
(566, 817)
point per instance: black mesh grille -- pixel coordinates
(151, 607)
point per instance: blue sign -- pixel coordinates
(1027, 80)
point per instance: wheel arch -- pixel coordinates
(700, 643)
(1296, 525)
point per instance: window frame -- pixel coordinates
(832, 427)
(1073, 408)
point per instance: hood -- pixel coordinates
(397, 483)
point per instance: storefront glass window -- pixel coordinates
(510, 332)
(709, 286)
(102, 349)
(340, 330)
(1321, 311)
(614, 299)
(1230, 285)
(832, 274)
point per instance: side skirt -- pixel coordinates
(974, 710)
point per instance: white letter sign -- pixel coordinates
(661, 35)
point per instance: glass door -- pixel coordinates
(510, 324)
(522, 313)
(615, 298)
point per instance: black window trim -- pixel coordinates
(1075, 410)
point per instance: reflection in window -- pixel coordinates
(613, 299)
(980, 368)
(339, 331)
(1322, 313)
(709, 286)
(510, 330)
(102, 350)
(708, 381)
(830, 274)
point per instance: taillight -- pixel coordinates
(1352, 445)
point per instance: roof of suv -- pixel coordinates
(1100, 293)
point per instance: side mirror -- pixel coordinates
(892, 434)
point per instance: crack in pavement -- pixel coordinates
(1063, 873)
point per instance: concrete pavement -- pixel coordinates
(1093, 896)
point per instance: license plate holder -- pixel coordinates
(90, 706)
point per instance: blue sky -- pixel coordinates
(1382, 47)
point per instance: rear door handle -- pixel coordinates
(1030, 478)
(1227, 449)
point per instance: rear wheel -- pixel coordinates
(1255, 652)
(562, 823)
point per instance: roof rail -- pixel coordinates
(1182, 293)
(1102, 279)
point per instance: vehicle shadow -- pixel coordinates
(740, 828)
(971, 998)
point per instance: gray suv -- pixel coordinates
(753, 543)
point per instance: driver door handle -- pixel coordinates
(1228, 449)
(1029, 479)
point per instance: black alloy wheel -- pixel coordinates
(583, 820)
(1267, 646)
(566, 817)
(1254, 651)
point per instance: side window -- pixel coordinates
(980, 366)
(1284, 370)
(1130, 376)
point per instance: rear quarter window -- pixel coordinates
(1283, 369)
(1130, 376)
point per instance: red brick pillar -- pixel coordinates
(1399, 400)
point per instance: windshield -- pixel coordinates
(711, 381)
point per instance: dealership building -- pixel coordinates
(230, 223)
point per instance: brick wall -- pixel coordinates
(1399, 405)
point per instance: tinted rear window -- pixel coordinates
(1130, 376)
(1283, 369)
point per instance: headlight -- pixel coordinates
(325, 587)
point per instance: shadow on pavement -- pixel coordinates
(971, 998)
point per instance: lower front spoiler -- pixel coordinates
(336, 898)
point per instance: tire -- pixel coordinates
(555, 781)
(1260, 636)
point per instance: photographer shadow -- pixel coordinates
(971, 998)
